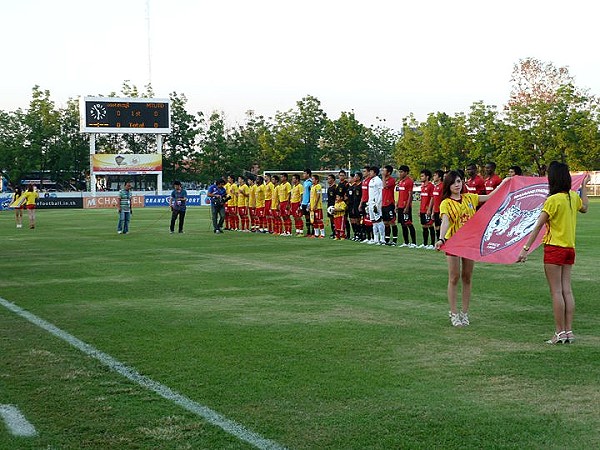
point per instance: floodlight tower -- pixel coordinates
(149, 47)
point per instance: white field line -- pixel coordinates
(16, 422)
(211, 416)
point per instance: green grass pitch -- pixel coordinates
(314, 344)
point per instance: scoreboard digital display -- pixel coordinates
(125, 115)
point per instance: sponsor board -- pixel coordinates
(63, 203)
(126, 163)
(110, 201)
(156, 201)
(5, 200)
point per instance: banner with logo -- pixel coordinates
(127, 164)
(498, 231)
(62, 203)
(110, 201)
(155, 201)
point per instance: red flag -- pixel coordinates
(498, 231)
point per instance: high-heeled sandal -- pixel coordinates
(558, 338)
(570, 337)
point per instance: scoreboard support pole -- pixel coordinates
(92, 174)
(159, 176)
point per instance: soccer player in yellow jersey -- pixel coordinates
(268, 201)
(339, 213)
(316, 207)
(275, 216)
(284, 191)
(260, 205)
(242, 204)
(231, 205)
(295, 199)
(252, 205)
(456, 208)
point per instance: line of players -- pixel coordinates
(362, 207)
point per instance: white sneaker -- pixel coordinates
(366, 241)
(421, 246)
(412, 245)
(371, 242)
(464, 318)
(455, 320)
(430, 247)
(403, 245)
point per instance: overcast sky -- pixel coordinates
(378, 57)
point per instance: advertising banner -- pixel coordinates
(155, 201)
(126, 164)
(5, 200)
(498, 231)
(110, 201)
(63, 202)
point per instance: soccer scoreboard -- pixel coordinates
(125, 115)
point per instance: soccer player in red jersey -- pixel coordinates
(424, 210)
(284, 191)
(367, 225)
(405, 190)
(436, 200)
(388, 207)
(491, 181)
(474, 184)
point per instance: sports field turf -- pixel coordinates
(312, 344)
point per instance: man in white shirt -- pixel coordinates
(374, 206)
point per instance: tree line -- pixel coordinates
(547, 117)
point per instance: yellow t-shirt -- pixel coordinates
(562, 211)
(233, 192)
(269, 190)
(458, 212)
(260, 196)
(243, 193)
(252, 197)
(340, 209)
(284, 191)
(316, 197)
(296, 194)
(275, 198)
(31, 197)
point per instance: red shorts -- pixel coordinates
(30, 206)
(242, 210)
(260, 212)
(284, 208)
(559, 256)
(268, 207)
(230, 209)
(295, 209)
(318, 215)
(275, 213)
(252, 212)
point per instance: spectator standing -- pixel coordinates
(177, 203)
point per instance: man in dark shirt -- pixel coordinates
(354, 199)
(331, 191)
(217, 194)
(177, 202)
(342, 191)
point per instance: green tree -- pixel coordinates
(345, 142)
(16, 157)
(43, 126)
(179, 147)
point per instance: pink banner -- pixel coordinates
(498, 231)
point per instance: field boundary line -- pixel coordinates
(229, 426)
(16, 422)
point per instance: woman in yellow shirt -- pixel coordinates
(32, 195)
(17, 198)
(456, 208)
(559, 216)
